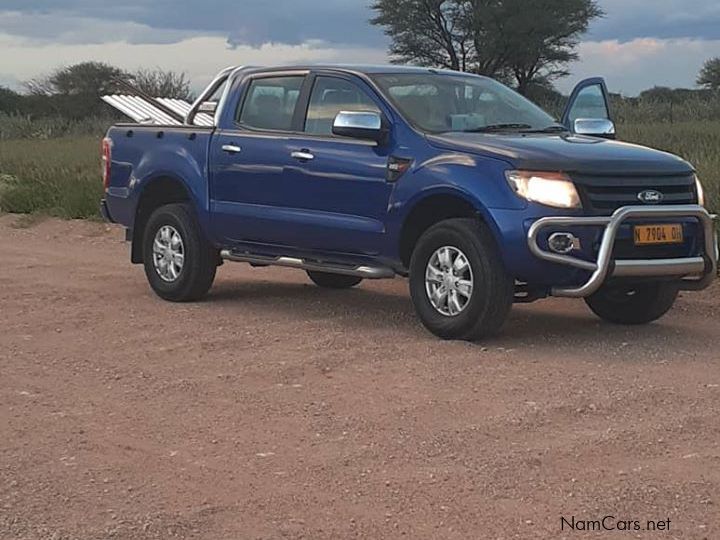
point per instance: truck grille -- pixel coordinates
(602, 195)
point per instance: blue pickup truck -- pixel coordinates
(455, 181)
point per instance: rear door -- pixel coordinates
(249, 191)
(340, 191)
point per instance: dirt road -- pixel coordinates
(279, 410)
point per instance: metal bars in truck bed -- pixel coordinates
(146, 111)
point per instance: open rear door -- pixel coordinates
(588, 109)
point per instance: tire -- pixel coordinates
(192, 280)
(333, 281)
(633, 304)
(486, 307)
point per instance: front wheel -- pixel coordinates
(180, 263)
(458, 283)
(633, 304)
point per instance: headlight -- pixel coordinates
(549, 188)
(700, 191)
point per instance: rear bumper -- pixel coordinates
(694, 273)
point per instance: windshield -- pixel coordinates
(439, 103)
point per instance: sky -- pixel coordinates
(637, 45)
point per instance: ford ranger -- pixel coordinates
(454, 181)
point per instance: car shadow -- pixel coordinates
(552, 322)
(362, 307)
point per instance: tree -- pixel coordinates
(544, 36)
(542, 92)
(9, 100)
(87, 79)
(426, 32)
(528, 42)
(74, 91)
(159, 83)
(709, 77)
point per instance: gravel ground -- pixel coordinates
(278, 410)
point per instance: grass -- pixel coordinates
(17, 126)
(61, 177)
(57, 177)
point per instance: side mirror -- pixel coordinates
(359, 125)
(208, 107)
(595, 127)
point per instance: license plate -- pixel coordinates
(658, 234)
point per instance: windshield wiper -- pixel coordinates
(555, 128)
(497, 127)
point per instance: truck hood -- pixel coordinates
(567, 153)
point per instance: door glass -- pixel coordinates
(439, 103)
(589, 103)
(270, 103)
(331, 95)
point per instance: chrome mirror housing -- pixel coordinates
(359, 125)
(595, 127)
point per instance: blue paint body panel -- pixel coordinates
(341, 203)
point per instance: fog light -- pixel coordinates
(563, 243)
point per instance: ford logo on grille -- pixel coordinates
(650, 196)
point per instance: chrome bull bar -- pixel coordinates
(695, 273)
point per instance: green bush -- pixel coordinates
(18, 126)
(679, 108)
(59, 177)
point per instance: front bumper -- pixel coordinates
(694, 273)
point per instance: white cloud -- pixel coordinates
(636, 65)
(33, 44)
(200, 57)
(63, 29)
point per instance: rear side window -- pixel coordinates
(331, 95)
(270, 103)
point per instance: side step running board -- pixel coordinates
(365, 272)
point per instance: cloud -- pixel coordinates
(627, 20)
(640, 43)
(633, 66)
(248, 22)
(37, 36)
(65, 29)
(255, 22)
(200, 57)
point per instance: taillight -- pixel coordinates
(106, 161)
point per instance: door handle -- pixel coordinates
(303, 155)
(231, 149)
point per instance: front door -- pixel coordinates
(588, 103)
(340, 191)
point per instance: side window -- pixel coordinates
(331, 95)
(270, 103)
(589, 103)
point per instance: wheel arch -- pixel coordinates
(433, 208)
(156, 192)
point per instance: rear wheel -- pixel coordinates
(180, 263)
(458, 283)
(333, 281)
(633, 304)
